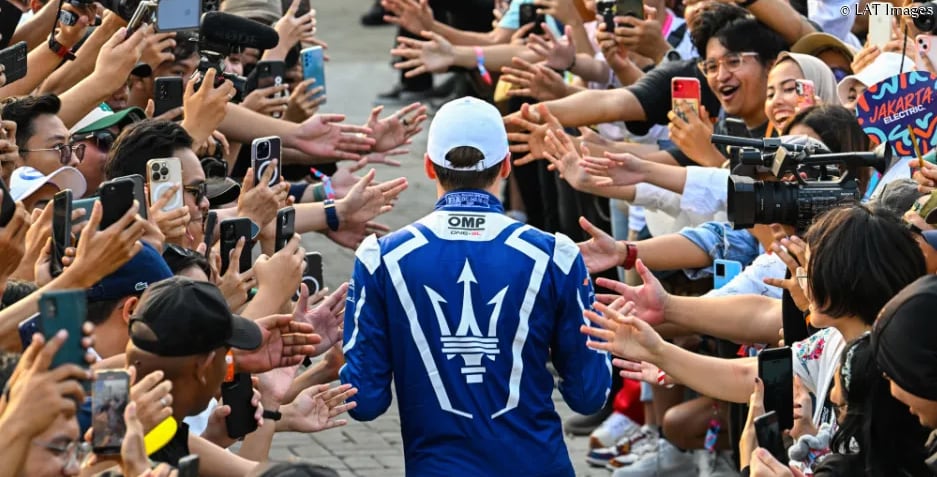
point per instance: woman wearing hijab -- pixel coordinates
(782, 101)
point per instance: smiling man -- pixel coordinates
(43, 139)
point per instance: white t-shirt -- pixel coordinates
(815, 362)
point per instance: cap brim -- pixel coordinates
(221, 192)
(245, 334)
(69, 178)
(122, 118)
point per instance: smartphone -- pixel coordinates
(61, 229)
(27, 328)
(768, 434)
(272, 73)
(684, 91)
(879, 23)
(85, 204)
(162, 174)
(314, 67)
(231, 231)
(237, 394)
(167, 94)
(109, 397)
(927, 46)
(64, 310)
(143, 14)
(528, 14)
(313, 276)
(8, 206)
(188, 466)
(806, 93)
(13, 59)
(776, 370)
(211, 220)
(178, 15)
(263, 151)
(286, 220)
(139, 193)
(116, 198)
(737, 128)
(9, 19)
(724, 271)
(630, 8)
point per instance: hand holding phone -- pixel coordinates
(117, 196)
(286, 219)
(776, 371)
(167, 94)
(13, 59)
(528, 14)
(238, 394)
(685, 94)
(64, 310)
(806, 93)
(768, 434)
(233, 230)
(313, 59)
(264, 151)
(111, 393)
(61, 230)
(163, 174)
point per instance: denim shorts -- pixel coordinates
(720, 241)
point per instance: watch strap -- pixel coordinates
(631, 256)
(60, 50)
(331, 215)
(272, 415)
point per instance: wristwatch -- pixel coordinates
(60, 50)
(272, 415)
(331, 215)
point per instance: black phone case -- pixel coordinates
(7, 207)
(27, 328)
(167, 94)
(188, 466)
(61, 229)
(231, 231)
(779, 388)
(286, 222)
(9, 19)
(13, 58)
(116, 198)
(313, 276)
(211, 220)
(139, 193)
(528, 14)
(768, 434)
(238, 394)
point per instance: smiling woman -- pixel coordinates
(782, 101)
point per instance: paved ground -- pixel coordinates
(360, 69)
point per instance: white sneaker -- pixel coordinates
(599, 457)
(718, 464)
(666, 461)
(634, 450)
(612, 430)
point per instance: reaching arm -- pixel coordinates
(36, 30)
(498, 36)
(738, 318)
(73, 72)
(597, 106)
(39, 63)
(729, 380)
(217, 462)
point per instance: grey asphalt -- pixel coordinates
(359, 69)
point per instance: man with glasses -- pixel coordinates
(96, 133)
(43, 140)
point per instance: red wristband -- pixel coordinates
(61, 50)
(631, 256)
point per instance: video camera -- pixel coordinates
(222, 34)
(813, 191)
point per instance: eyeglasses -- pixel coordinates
(199, 191)
(801, 276)
(103, 139)
(65, 152)
(74, 451)
(732, 62)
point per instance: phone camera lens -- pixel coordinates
(263, 150)
(156, 176)
(164, 171)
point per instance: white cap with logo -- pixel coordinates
(467, 122)
(26, 181)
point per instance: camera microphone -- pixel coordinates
(226, 29)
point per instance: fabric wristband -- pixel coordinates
(662, 379)
(272, 415)
(480, 57)
(318, 193)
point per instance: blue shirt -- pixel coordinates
(462, 310)
(512, 19)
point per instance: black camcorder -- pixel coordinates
(124, 8)
(813, 190)
(925, 17)
(222, 34)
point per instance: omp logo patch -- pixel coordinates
(470, 225)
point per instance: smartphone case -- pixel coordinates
(775, 368)
(139, 193)
(61, 229)
(117, 197)
(238, 394)
(768, 435)
(167, 94)
(286, 220)
(927, 47)
(684, 91)
(64, 309)
(724, 271)
(111, 393)
(13, 58)
(231, 231)
(162, 174)
(263, 151)
(806, 93)
(313, 276)
(211, 220)
(313, 59)
(879, 24)
(271, 73)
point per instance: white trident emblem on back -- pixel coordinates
(468, 340)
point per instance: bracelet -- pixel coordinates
(480, 57)
(631, 256)
(326, 184)
(272, 415)
(662, 379)
(60, 50)
(331, 215)
(318, 192)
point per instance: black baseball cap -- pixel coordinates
(905, 338)
(184, 317)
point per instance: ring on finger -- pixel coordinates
(164, 401)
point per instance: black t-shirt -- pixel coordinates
(653, 92)
(177, 448)
(718, 128)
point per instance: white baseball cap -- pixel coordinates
(467, 122)
(26, 181)
(886, 65)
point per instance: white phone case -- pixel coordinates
(879, 24)
(161, 174)
(927, 46)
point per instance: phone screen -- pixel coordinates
(178, 15)
(61, 229)
(109, 399)
(768, 434)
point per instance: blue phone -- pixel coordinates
(64, 309)
(27, 329)
(314, 67)
(724, 271)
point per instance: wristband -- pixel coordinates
(480, 56)
(60, 50)
(662, 379)
(326, 183)
(331, 215)
(318, 193)
(631, 256)
(272, 415)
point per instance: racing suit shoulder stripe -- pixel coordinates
(565, 252)
(369, 253)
